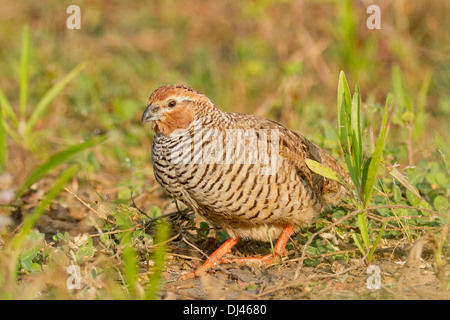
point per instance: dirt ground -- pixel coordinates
(401, 277)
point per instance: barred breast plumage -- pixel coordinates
(244, 173)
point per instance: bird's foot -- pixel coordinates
(212, 260)
(216, 258)
(200, 271)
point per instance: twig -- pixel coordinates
(111, 232)
(148, 223)
(133, 204)
(87, 205)
(166, 241)
(184, 256)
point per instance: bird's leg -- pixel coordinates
(216, 257)
(271, 257)
(212, 260)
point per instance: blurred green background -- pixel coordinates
(278, 59)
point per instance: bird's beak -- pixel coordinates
(151, 114)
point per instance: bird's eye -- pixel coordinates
(172, 103)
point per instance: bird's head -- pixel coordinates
(173, 107)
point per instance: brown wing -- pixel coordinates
(296, 149)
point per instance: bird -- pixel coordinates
(241, 172)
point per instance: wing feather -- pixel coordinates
(296, 149)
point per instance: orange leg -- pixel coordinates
(212, 260)
(269, 258)
(225, 248)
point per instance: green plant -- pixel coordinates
(363, 171)
(408, 113)
(158, 258)
(364, 167)
(22, 127)
(3, 142)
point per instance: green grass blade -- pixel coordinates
(375, 243)
(272, 247)
(12, 133)
(130, 260)
(49, 96)
(357, 152)
(358, 243)
(129, 255)
(158, 257)
(423, 93)
(443, 149)
(3, 142)
(420, 118)
(376, 157)
(57, 159)
(344, 104)
(363, 230)
(343, 100)
(31, 219)
(399, 90)
(24, 64)
(7, 109)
